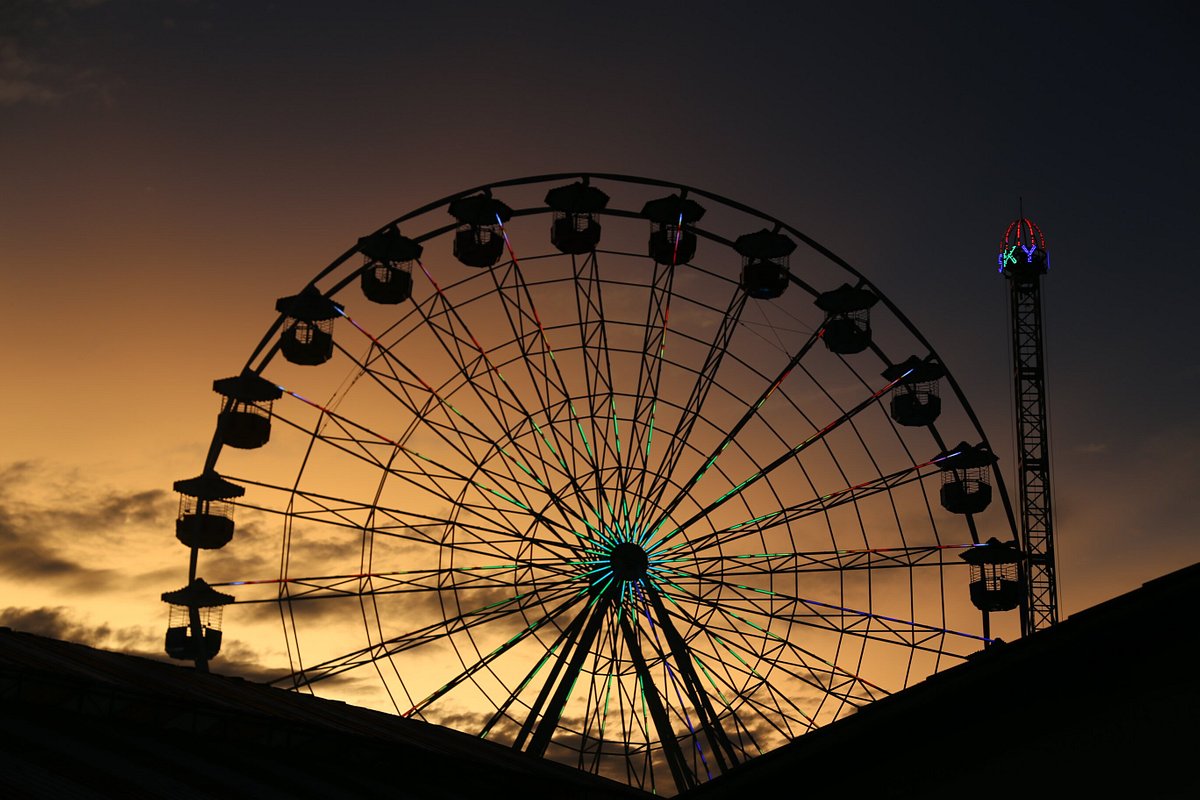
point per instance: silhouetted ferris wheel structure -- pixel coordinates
(649, 509)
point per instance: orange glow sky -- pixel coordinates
(168, 170)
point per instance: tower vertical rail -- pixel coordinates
(1023, 261)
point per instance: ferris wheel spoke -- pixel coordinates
(693, 687)
(652, 702)
(753, 641)
(366, 584)
(740, 729)
(540, 734)
(473, 363)
(485, 541)
(399, 378)
(353, 444)
(604, 664)
(544, 371)
(602, 691)
(486, 660)
(738, 674)
(766, 565)
(759, 524)
(598, 374)
(430, 477)
(474, 433)
(694, 406)
(635, 724)
(496, 405)
(784, 458)
(469, 358)
(434, 632)
(565, 639)
(508, 397)
(650, 366)
(830, 616)
(729, 437)
(805, 665)
(407, 529)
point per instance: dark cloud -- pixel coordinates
(54, 623)
(58, 622)
(241, 660)
(347, 685)
(252, 555)
(466, 721)
(45, 539)
(303, 612)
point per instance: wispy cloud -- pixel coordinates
(37, 66)
(23, 78)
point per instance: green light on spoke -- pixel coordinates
(562, 463)
(586, 443)
(735, 655)
(756, 627)
(704, 669)
(650, 435)
(607, 695)
(600, 593)
(616, 426)
(501, 494)
(500, 602)
(755, 520)
(739, 487)
(760, 591)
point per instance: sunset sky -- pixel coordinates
(169, 169)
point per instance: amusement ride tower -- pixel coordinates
(1023, 259)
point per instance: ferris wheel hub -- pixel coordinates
(628, 561)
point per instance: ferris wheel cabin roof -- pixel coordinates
(308, 306)
(918, 370)
(479, 209)
(670, 209)
(209, 486)
(846, 299)
(247, 387)
(577, 198)
(764, 244)
(966, 456)
(197, 594)
(389, 245)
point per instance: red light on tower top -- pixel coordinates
(1023, 253)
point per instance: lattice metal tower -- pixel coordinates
(1024, 260)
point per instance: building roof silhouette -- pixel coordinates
(1101, 704)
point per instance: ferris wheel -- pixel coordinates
(647, 507)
